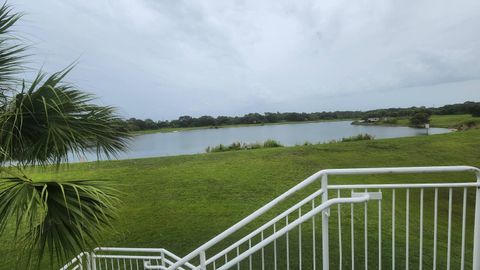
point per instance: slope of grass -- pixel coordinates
(181, 202)
(446, 121)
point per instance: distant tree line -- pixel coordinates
(134, 124)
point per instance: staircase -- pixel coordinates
(411, 224)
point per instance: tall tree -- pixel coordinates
(419, 119)
(42, 122)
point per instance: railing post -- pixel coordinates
(203, 265)
(162, 254)
(88, 261)
(93, 261)
(476, 237)
(325, 215)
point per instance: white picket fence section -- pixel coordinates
(409, 225)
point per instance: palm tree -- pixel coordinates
(42, 122)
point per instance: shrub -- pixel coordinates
(271, 143)
(419, 119)
(243, 146)
(359, 137)
(471, 124)
(253, 146)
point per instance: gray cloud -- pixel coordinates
(162, 59)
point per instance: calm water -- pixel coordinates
(195, 141)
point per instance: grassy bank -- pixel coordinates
(452, 121)
(440, 121)
(181, 202)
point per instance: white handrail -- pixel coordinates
(395, 186)
(308, 181)
(326, 205)
(400, 170)
(74, 260)
(266, 225)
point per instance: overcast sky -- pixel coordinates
(162, 59)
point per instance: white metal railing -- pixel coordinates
(410, 233)
(114, 258)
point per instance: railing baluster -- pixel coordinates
(275, 248)
(238, 253)
(379, 233)
(393, 229)
(407, 232)
(365, 230)
(352, 232)
(314, 257)
(464, 219)
(263, 252)
(420, 256)
(449, 237)
(287, 244)
(300, 240)
(340, 255)
(162, 254)
(118, 264)
(476, 228)
(435, 209)
(325, 231)
(250, 257)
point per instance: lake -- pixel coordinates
(195, 141)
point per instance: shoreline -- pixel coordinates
(181, 129)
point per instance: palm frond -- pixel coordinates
(60, 218)
(50, 119)
(44, 123)
(12, 53)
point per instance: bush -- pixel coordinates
(419, 119)
(271, 144)
(471, 124)
(243, 146)
(253, 146)
(359, 137)
(475, 111)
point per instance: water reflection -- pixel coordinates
(195, 141)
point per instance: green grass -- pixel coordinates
(181, 202)
(446, 121)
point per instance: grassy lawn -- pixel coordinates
(181, 202)
(446, 121)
